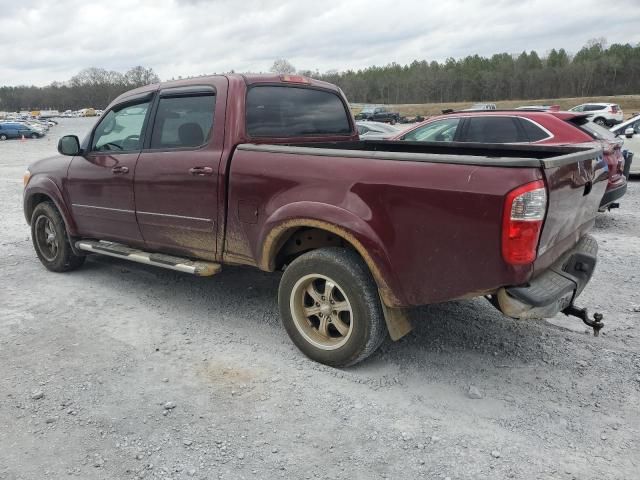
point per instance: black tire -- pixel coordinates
(46, 218)
(34, 135)
(600, 121)
(346, 269)
(393, 121)
(3, 137)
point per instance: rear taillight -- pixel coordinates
(614, 109)
(524, 211)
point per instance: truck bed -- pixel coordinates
(434, 210)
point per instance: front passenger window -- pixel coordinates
(121, 129)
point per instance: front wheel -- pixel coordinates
(51, 241)
(3, 137)
(34, 135)
(330, 307)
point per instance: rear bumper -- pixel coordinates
(556, 288)
(611, 195)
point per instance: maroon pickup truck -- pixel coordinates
(269, 171)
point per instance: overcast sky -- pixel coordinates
(47, 40)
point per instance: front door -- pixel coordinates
(100, 182)
(176, 181)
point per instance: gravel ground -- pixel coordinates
(124, 371)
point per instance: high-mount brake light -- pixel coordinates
(295, 79)
(524, 211)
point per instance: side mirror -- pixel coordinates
(629, 132)
(69, 145)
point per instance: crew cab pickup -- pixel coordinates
(195, 174)
(378, 114)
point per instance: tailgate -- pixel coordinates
(576, 183)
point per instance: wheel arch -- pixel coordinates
(351, 230)
(44, 189)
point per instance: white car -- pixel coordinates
(369, 130)
(630, 132)
(604, 114)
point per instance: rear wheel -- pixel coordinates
(34, 135)
(330, 307)
(3, 137)
(50, 239)
(600, 121)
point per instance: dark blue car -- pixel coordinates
(17, 130)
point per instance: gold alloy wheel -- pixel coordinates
(46, 238)
(321, 311)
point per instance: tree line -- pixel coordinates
(92, 87)
(595, 70)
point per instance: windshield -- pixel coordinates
(597, 132)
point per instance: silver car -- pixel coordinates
(376, 130)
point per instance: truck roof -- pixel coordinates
(239, 78)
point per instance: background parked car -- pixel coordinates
(546, 108)
(17, 130)
(378, 114)
(481, 106)
(629, 131)
(376, 130)
(604, 114)
(522, 126)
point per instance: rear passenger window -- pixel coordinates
(491, 129)
(183, 121)
(292, 112)
(534, 132)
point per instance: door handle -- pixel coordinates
(120, 169)
(201, 171)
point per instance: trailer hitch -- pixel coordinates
(583, 315)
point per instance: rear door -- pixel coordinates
(100, 182)
(176, 179)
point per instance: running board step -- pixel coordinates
(200, 268)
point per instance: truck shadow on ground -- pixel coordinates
(245, 299)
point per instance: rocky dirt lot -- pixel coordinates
(121, 371)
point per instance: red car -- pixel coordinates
(525, 126)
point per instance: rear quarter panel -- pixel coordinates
(432, 230)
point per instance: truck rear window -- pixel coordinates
(279, 111)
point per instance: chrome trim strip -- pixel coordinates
(101, 208)
(175, 216)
